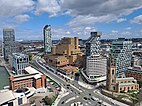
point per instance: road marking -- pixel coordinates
(70, 99)
(75, 88)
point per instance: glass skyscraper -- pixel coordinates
(93, 44)
(8, 43)
(122, 53)
(47, 39)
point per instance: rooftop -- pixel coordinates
(127, 78)
(127, 84)
(69, 68)
(6, 96)
(32, 73)
(19, 55)
(135, 68)
(31, 70)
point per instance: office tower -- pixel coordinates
(93, 44)
(47, 39)
(96, 66)
(8, 42)
(122, 54)
(19, 62)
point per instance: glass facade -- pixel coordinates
(9, 46)
(47, 39)
(122, 53)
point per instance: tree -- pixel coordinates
(49, 101)
(30, 57)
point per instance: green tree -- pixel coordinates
(49, 101)
(30, 57)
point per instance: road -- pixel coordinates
(76, 92)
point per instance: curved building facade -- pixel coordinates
(47, 39)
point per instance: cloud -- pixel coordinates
(121, 20)
(22, 18)
(52, 7)
(10, 8)
(137, 19)
(89, 20)
(128, 28)
(83, 32)
(126, 33)
(101, 7)
(114, 31)
(98, 11)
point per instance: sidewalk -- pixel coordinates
(85, 85)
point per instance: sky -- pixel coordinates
(69, 18)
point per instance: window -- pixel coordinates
(114, 88)
(112, 71)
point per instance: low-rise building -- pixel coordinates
(135, 72)
(16, 97)
(126, 84)
(65, 52)
(56, 60)
(31, 78)
(18, 62)
(67, 70)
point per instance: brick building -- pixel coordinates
(135, 72)
(31, 78)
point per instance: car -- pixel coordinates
(93, 99)
(62, 102)
(89, 99)
(67, 87)
(85, 98)
(68, 84)
(99, 103)
(89, 94)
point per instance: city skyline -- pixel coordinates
(72, 18)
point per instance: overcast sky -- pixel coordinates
(114, 18)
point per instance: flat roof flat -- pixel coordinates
(127, 78)
(6, 96)
(31, 70)
(127, 84)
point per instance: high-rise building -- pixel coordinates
(8, 43)
(47, 39)
(96, 67)
(19, 62)
(122, 54)
(93, 44)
